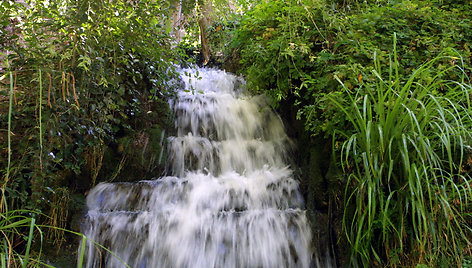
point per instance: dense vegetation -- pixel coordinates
(382, 87)
(387, 84)
(88, 83)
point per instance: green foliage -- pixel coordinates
(407, 178)
(276, 40)
(101, 65)
(83, 75)
(294, 48)
(222, 17)
(18, 225)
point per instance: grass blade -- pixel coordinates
(30, 239)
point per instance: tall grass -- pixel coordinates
(408, 187)
(16, 226)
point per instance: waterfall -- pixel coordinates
(230, 199)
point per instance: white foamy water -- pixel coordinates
(230, 201)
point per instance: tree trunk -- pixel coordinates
(204, 22)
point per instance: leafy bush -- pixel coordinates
(292, 49)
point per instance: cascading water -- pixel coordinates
(231, 200)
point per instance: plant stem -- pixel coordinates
(3, 203)
(40, 125)
(28, 246)
(10, 105)
(82, 252)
